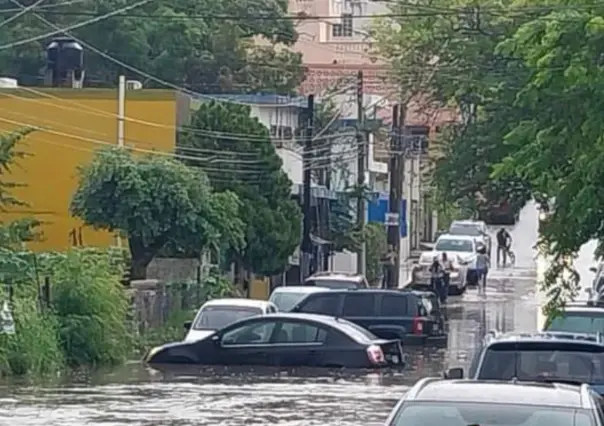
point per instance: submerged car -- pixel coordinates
(436, 402)
(218, 313)
(285, 298)
(285, 340)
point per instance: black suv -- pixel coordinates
(545, 356)
(414, 317)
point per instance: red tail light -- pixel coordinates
(418, 326)
(375, 354)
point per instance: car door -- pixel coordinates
(297, 343)
(247, 343)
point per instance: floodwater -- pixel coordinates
(134, 395)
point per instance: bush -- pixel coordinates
(90, 306)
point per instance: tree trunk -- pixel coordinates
(141, 256)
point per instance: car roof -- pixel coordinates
(371, 291)
(335, 276)
(323, 319)
(544, 336)
(583, 308)
(468, 222)
(250, 303)
(456, 237)
(300, 289)
(514, 392)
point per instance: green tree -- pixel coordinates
(447, 53)
(155, 201)
(250, 167)
(557, 146)
(377, 247)
(188, 43)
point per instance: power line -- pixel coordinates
(21, 13)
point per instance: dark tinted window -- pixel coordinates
(465, 229)
(572, 364)
(217, 317)
(471, 413)
(324, 304)
(394, 305)
(578, 322)
(359, 305)
(299, 332)
(258, 332)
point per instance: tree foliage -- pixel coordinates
(155, 201)
(249, 167)
(188, 43)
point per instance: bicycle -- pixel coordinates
(510, 256)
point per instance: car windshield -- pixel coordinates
(449, 244)
(333, 284)
(578, 363)
(217, 317)
(465, 229)
(285, 301)
(578, 322)
(480, 414)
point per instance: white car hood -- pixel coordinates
(195, 335)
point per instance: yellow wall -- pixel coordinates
(72, 128)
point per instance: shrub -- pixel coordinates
(90, 306)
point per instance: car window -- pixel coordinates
(394, 305)
(543, 364)
(492, 414)
(286, 300)
(358, 305)
(324, 304)
(578, 322)
(448, 244)
(465, 229)
(299, 332)
(217, 317)
(334, 284)
(249, 334)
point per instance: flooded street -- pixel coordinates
(132, 395)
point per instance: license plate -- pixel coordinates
(435, 327)
(395, 359)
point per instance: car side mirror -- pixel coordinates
(188, 325)
(216, 338)
(593, 269)
(453, 374)
(295, 309)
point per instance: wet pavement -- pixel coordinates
(134, 395)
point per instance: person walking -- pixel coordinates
(482, 268)
(447, 268)
(437, 276)
(504, 243)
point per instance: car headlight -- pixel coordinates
(153, 352)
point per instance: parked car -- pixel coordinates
(436, 402)
(462, 250)
(473, 228)
(285, 340)
(337, 280)
(390, 314)
(585, 317)
(285, 298)
(218, 313)
(541, 356)
(421, 276)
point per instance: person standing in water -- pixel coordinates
(482, 267)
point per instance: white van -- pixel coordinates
(285, 298)
(217, 314)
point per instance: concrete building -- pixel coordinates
(71, 124)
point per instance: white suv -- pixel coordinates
(472, 228)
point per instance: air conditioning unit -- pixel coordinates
(133, 85)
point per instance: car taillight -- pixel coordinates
(375, 354)
(418, 326)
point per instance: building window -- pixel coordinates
(343, 29)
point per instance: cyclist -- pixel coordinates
(504, 243)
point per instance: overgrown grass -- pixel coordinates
(172, 331)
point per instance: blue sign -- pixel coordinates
(376, 212)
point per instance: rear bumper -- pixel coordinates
(438, 340)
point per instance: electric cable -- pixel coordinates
(21, 13)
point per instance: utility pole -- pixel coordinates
(306, 252)
(121, 118)
(361, 160)
(394, 207)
